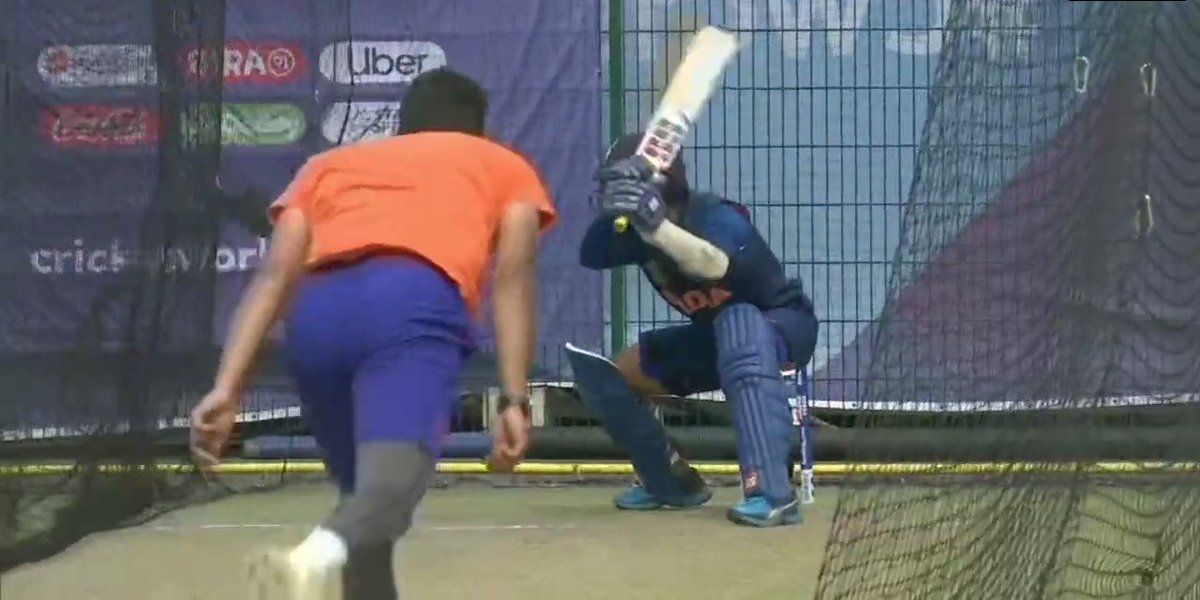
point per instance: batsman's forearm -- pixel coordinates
(694, 256)
(258, 311)
(515, 316)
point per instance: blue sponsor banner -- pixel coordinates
(299, 78)
(88, 114)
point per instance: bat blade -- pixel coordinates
(694, 81)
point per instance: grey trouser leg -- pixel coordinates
(390, 481)
(368, 574)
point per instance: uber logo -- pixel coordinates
(379, 61)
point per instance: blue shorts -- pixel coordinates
(377, 348)
(683, 358)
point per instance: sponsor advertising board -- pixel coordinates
(292, 83)
(262, 124)
(90, 104)
(97, 65)
(97, 125)
(359, 121)
(380, 61)
(108, 126)
(248, 62)
(122, 65)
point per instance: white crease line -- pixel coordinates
(494, 527)
(444, 528)
(221, 526)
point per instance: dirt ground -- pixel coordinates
(469, 542)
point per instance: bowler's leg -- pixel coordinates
(325, 384)
(324, 381)
(392, 479)
(327, 405)
(403, 398)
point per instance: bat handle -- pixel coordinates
(621, 224)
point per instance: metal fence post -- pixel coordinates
(616, 127)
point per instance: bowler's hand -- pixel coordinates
(510, 438)
(212, 425)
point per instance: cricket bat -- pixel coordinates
(697, 76)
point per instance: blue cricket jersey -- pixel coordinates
(755, 275)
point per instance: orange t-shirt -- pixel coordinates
(438, 195)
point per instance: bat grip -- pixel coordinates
(621, 224)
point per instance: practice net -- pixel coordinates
(141, 144)
(1048, 267)
(147, 338)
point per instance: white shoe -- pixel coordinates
(275, 576)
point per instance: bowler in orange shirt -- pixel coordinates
(379, 254)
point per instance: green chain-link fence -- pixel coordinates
(816, 129)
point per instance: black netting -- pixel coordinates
(141, 144)
(94, 400)
(1047, 274)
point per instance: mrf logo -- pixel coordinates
(664, 140)
(750, 484)
(380, 61)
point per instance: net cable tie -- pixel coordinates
(1149, 79)
(1144, 222)
(1083, 70)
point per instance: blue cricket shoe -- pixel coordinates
(637, 498)
(694, 492)
(757, 511)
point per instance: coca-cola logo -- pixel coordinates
(247, 62)
(102, 126)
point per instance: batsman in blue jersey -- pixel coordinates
(705, 257)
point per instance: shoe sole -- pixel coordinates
(649, 507)
(778, 521)
(272, 577)
(640, 508)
